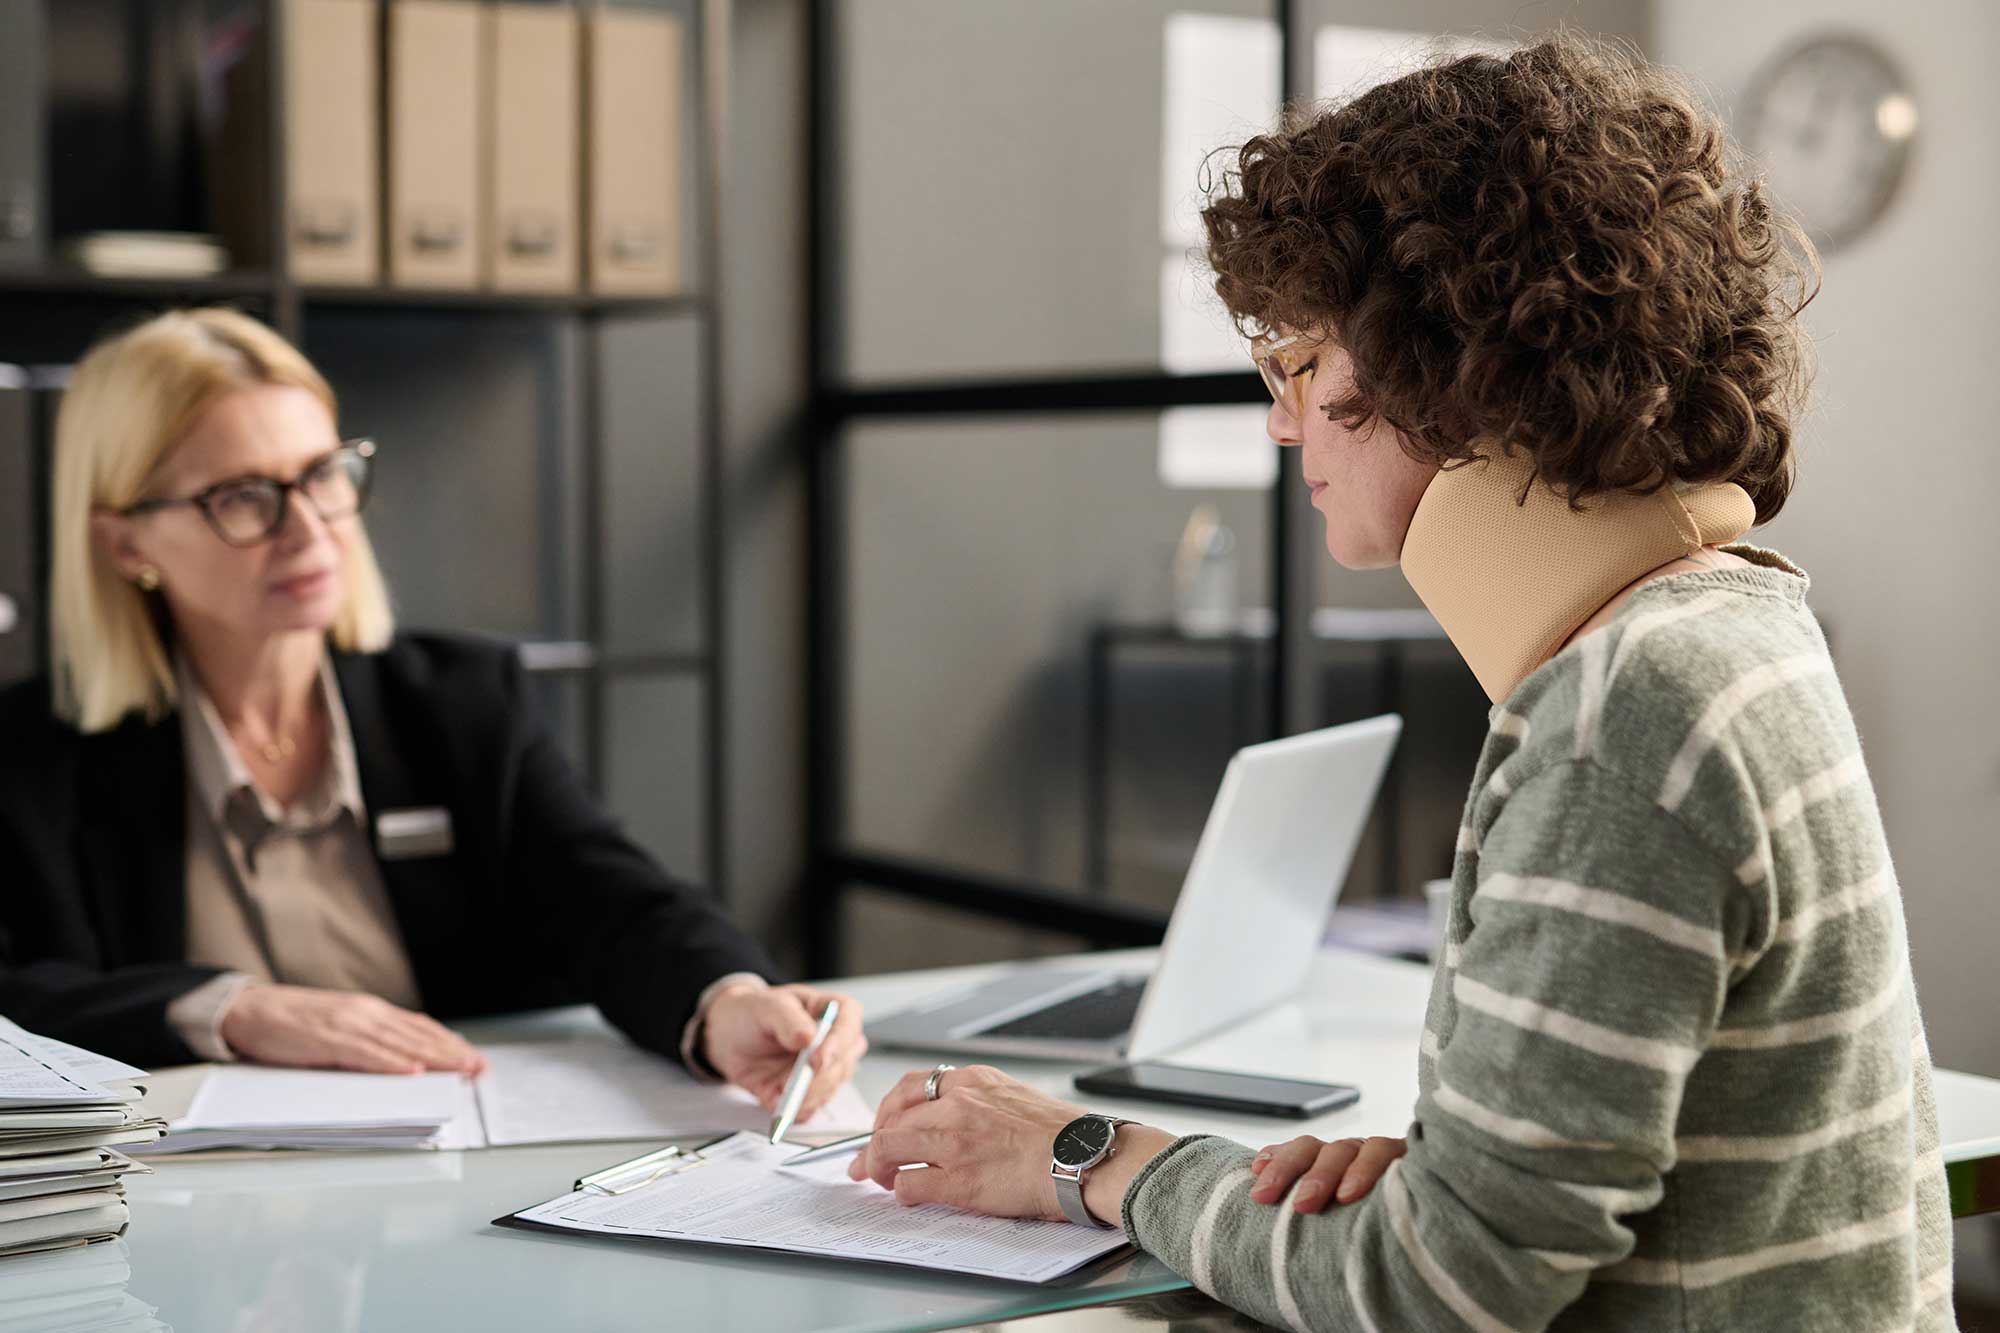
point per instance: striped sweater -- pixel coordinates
(1673, 1074)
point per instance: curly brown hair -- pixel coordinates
(1559, 251)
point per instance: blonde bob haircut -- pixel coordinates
(131, 400)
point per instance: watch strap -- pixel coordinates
(1069, 1197)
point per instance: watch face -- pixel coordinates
(1083, 1141)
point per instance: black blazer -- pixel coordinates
(542, 900)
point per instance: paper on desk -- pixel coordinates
(591, 1088)
(28, 1235)
(741, 1196)
(32, 1074)
(248, 1097)
(56, 1164)
(86, 1065)
(135, 1137)
(243, 1106)
(573, 1091)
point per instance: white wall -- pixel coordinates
(1901, 466)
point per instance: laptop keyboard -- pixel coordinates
(1095, 1015)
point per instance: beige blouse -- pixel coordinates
(293, 894)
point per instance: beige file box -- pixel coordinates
(436, 80)
(533, 112)
(332, 177)
(633, 214)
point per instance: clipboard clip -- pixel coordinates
(624, 1177)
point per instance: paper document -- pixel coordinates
(27, 1235)
(591, 1088)
(35, 1071)
(55, 1164)
(581, 1090)
(62, 1109)
(48, 1205)
(82, 1117)
(36, 1188)
(132, 1138)
(739, 1195)
(243, 1106)
(86, 1065)
(246, 1097)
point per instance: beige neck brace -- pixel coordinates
(1510, 582)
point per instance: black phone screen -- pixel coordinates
(1188, 1086)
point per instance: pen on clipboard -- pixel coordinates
(802, 1074)
(852, 1143)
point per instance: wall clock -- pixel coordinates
(1833, 123)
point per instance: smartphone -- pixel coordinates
(1253, 1094)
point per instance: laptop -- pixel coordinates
(1250, 917)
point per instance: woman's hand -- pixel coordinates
(312, 1028)
(1341, 1171)
(988, 1140)
(753, 1033)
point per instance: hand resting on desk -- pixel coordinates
(988, 1140)
(313, 1028)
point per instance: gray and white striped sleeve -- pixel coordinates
(1594, 973)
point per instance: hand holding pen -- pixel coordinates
(754, 1035)
(794, 1095)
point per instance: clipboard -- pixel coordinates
(1085, 1257)
(643, 1170)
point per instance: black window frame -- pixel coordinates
(834, 866)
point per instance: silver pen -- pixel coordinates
(801, 1077)
(851, 1144)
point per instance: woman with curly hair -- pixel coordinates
(1534, 332)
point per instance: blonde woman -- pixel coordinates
(249, 820)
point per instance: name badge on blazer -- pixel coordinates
(404, 835)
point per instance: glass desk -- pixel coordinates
(314, 1242)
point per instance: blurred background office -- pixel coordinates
(826, 398)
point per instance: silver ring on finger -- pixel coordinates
(933, 1088)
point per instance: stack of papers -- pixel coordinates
(242, 1106)
(64, 1114)
(580, 1090)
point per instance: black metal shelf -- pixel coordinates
(58, 280)
(71, 284)
(436, 299)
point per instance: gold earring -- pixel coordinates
(149, 579)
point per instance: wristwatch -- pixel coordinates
(1082, 1144)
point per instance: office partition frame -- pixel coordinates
(273, 294)
(835, 863)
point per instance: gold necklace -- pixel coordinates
(276, 752)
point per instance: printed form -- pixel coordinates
(739, 1195)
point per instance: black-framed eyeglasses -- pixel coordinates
(245, 511)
